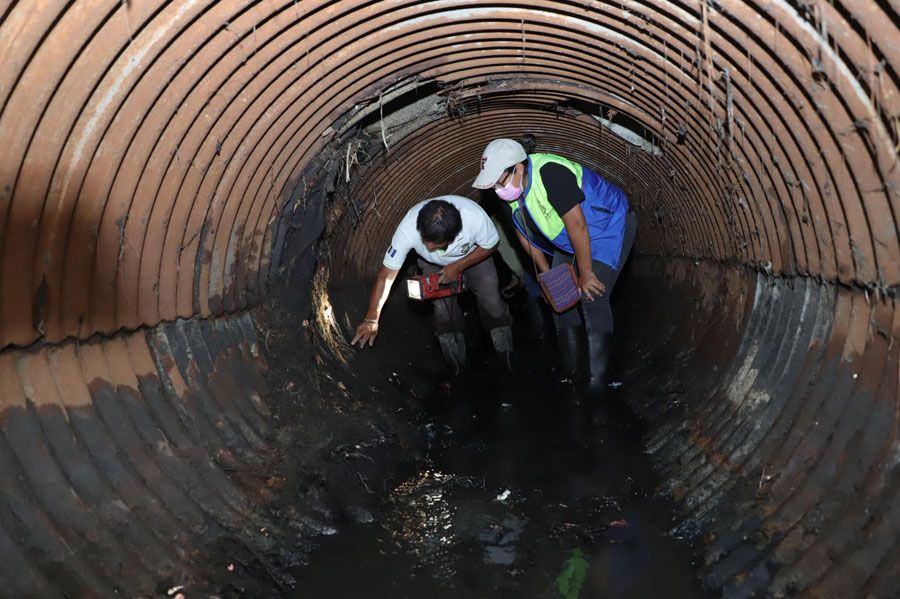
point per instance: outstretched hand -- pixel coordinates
(365, 333)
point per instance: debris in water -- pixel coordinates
(618, 524)
(574, 572)
(503, 496)
(231, 567)
(175, 590)
(615, 384)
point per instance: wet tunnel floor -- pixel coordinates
(527, 490)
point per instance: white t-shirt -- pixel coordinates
(477, 231)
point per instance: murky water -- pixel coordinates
(528, 491)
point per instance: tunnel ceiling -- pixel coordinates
(149, 146)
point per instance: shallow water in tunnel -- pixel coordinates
(528, 488)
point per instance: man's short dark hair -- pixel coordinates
(439, 222)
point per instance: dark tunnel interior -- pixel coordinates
(196, 194)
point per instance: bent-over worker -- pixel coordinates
(571, 213)
(451, 235)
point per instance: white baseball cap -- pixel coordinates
(498, 156)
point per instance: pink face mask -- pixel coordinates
(509, 193)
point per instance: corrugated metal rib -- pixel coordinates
(782, 451)
(111, 482)
(149, 144)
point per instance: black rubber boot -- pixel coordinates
(453, 346)
(534, 314)
(598, 360)
(570, 351)
(502, 339)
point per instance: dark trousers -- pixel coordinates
(482, 279)
(597, 314)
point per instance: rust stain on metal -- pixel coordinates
(184, 136)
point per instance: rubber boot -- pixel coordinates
(598, 360)
(534, 314)
(570, 351)
(502, 339)
(453, 346)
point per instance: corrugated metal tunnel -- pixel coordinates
(169, 167)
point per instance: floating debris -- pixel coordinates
(574, 572)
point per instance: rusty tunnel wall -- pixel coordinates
(165, 164)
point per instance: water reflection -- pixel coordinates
(433, 514)
(527, 491)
